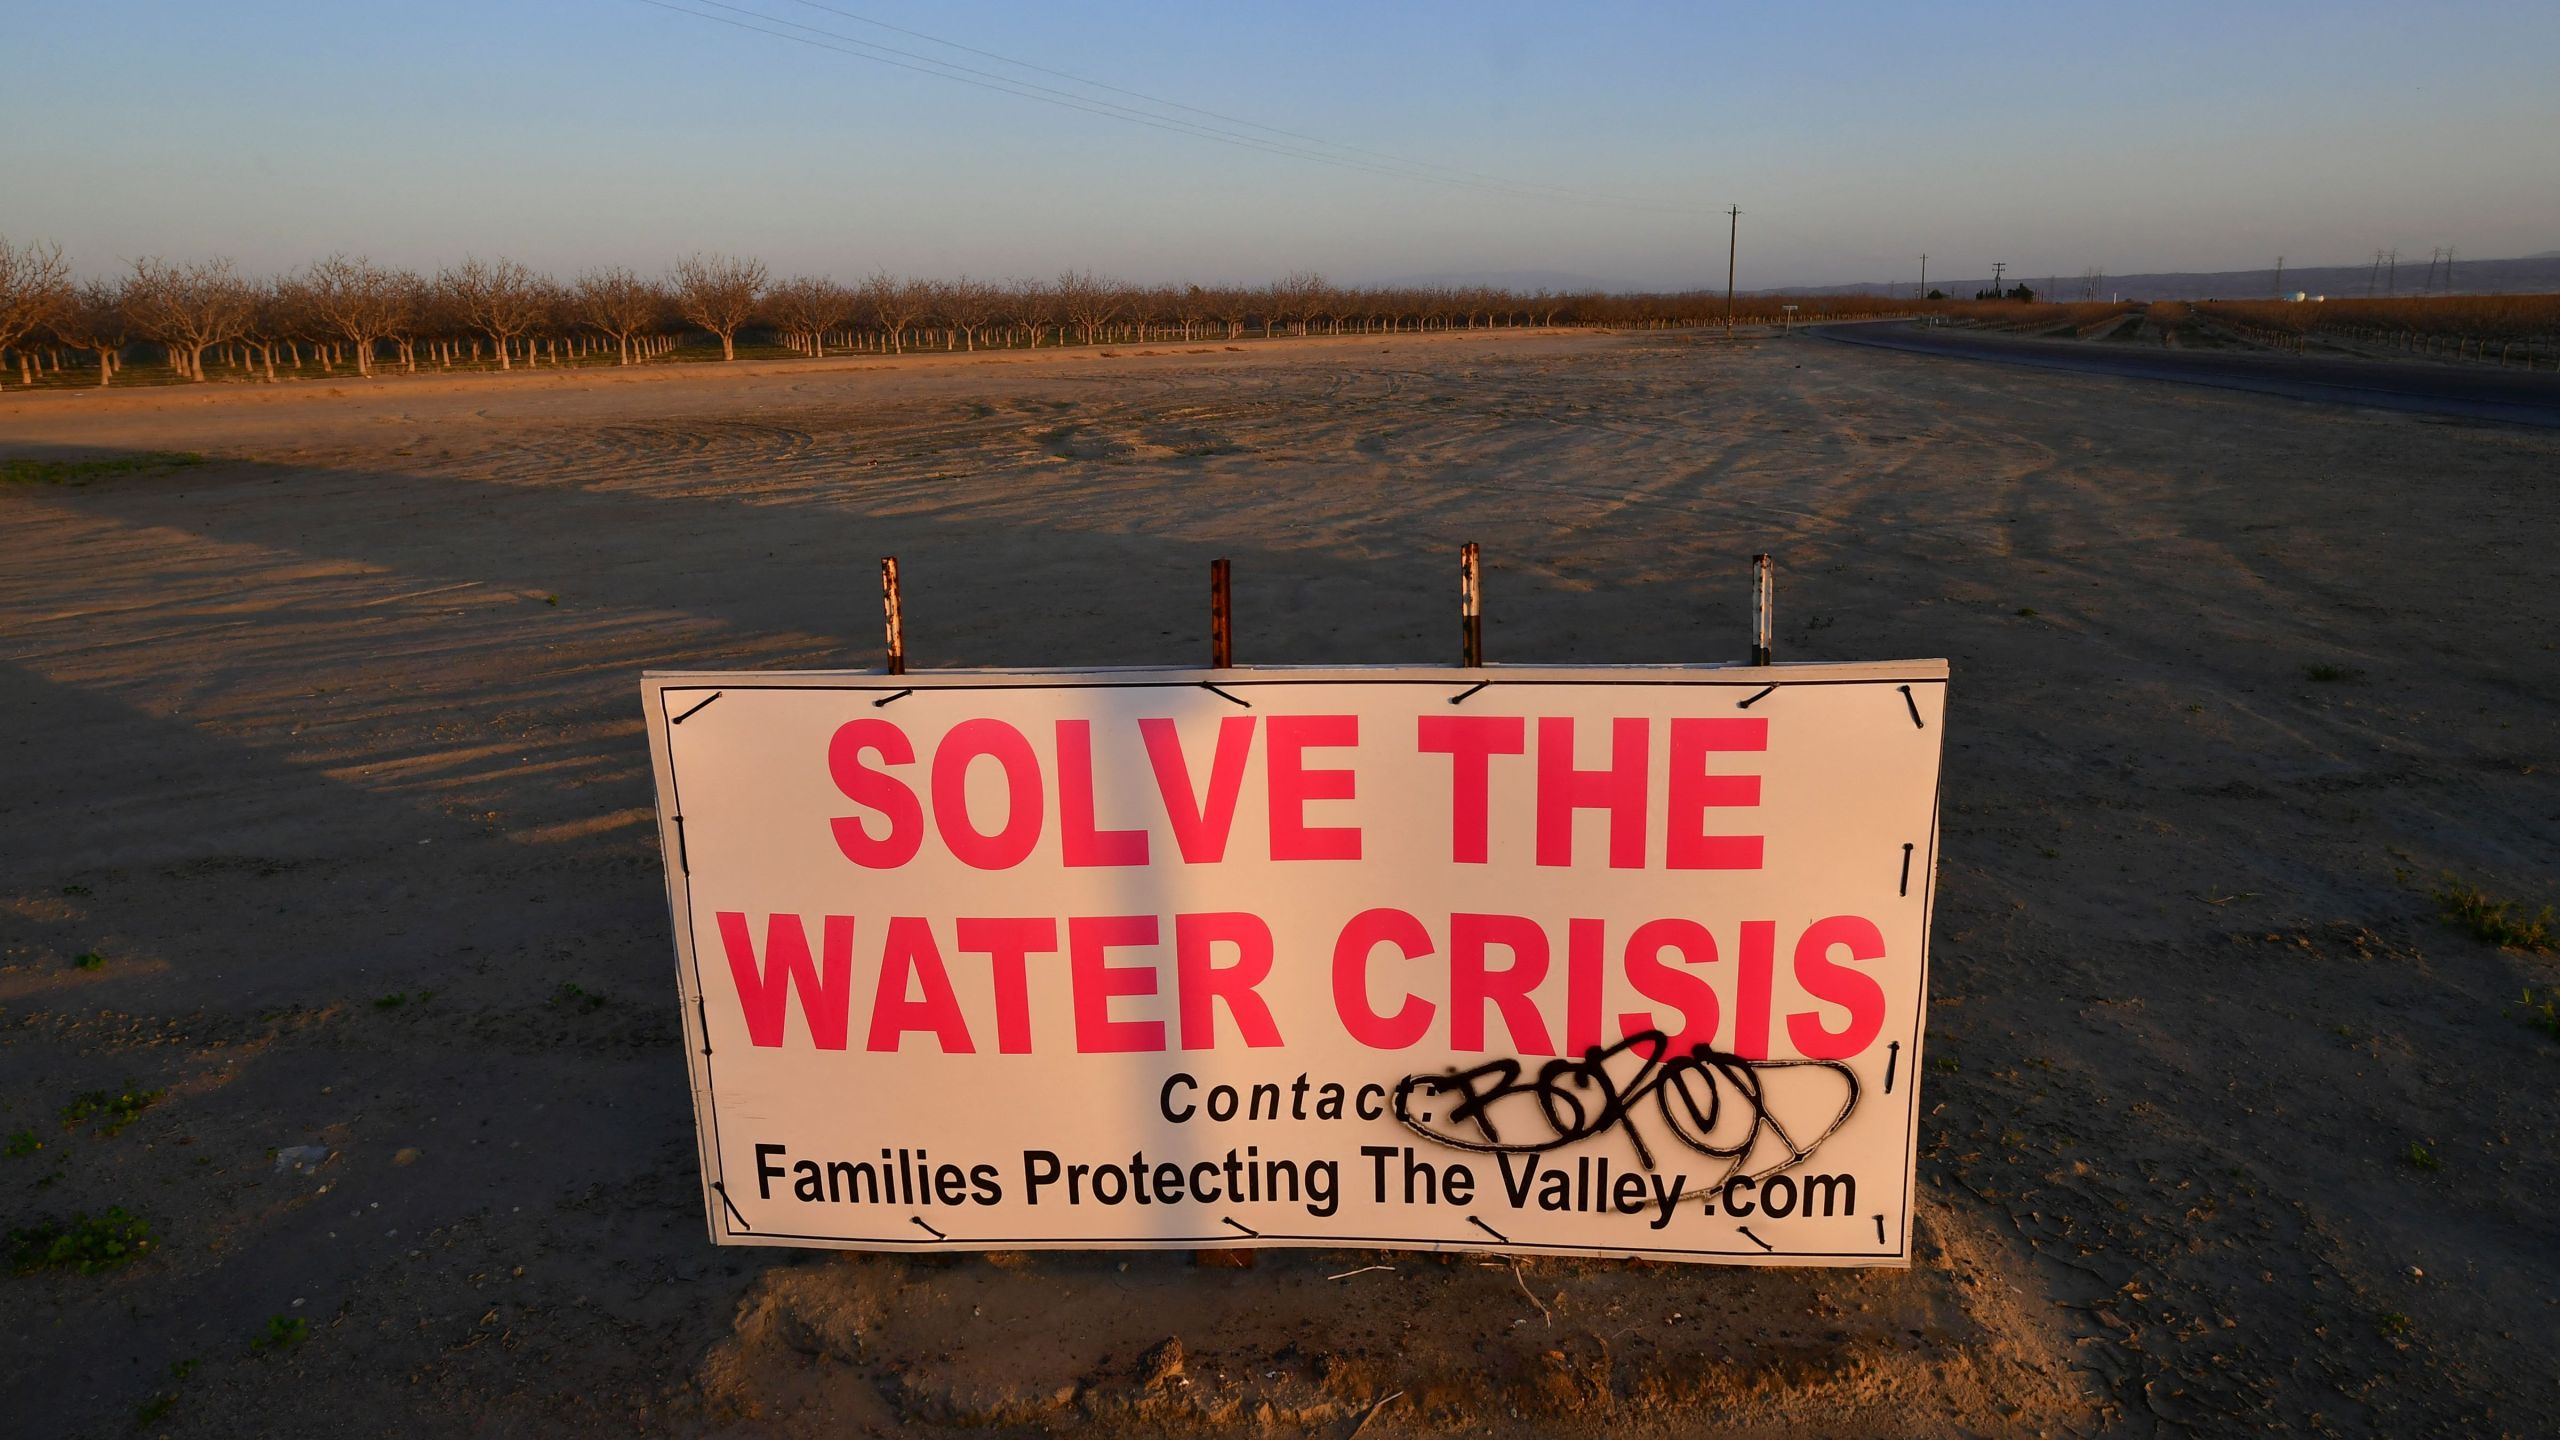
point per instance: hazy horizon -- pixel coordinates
(1483, 139)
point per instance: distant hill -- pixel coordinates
(1562, 282)
(2530, 274)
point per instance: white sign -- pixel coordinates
(1600, 961)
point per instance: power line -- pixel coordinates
(1394, 168)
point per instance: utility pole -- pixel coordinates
(2428, 287)
(1924, 275)
(1997, 266)
(2391, 273)
(2448, 269)
(2375, 278)
(1732, 241)
(2279, 277)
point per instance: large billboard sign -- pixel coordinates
(1599, 961)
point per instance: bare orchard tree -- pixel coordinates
(499, 298)
(1299, 296)
(94, 320)
(272, 323)
(806, 307)
(1232, 306)
(1195, 308)
(34, 286)
(1031, 305)
(971, 306)
(896, 304)
(289, 309)
(189, 308)
(617, 305)
(1088, 301)
(719, 293)
(359, 301)
(418, 309)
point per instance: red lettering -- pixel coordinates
(884, 793)
(1008, 945)
(1471, 742)
(1083, 845)
(1090, 940)
(1472, 986)
(1201, 983)
(1689, 846)
(1367, 931)
(996, 740)
(1751, 997)
(1293, 786)
(1583, 957)
(1656, 981)
(911, 952)
(764, 991)
(1199, 830)
(1620, 790)
(1826, 979)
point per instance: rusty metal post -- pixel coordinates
(1764, 585)
(1222, 641)
(1470, 608)
(894, 611)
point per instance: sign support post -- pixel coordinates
(894, 614)
(1470, 609)
(1764, 585)
(1222, 649)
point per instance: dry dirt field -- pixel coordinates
(329, 751)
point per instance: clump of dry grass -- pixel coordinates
(2503, 923)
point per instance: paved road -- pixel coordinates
(2524, 398)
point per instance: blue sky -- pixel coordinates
(1853, 135)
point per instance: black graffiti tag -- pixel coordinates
(1568, 1101)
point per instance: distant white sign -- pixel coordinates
(1588, 961)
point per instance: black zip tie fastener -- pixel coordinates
(1223, 695)
(885, 699)
(1240, 1225)
(1461, 697)
(1756, 1240)
(690, 711)
(684, 853)
(1756, 697)
(918, 1222)
(1489, 1230)
(723, 1192)
(1906, 868)
(1892, 1062)
(1916, 722)
(703, 1016)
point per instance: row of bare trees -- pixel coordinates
(346, 311)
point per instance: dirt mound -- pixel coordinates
(1320, 1341)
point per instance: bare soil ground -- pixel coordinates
(329, 752)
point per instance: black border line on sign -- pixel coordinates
(1229, 1239)
(720, 1169)
(1911, 1114)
